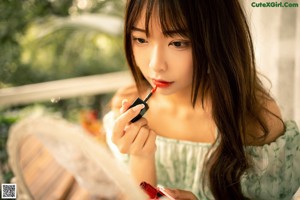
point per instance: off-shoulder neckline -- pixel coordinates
(289, 126)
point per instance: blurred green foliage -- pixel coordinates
(37, 45)
(15, 18)
(5, 124)
(26, 57)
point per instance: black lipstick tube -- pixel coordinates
(140, 101)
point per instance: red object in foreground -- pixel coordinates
(154, 89)
(152, 192)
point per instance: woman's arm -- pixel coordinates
(143, 169)
(135, 139)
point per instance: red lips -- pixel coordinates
(161, 83)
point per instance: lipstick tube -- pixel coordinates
(140, 101)
(142, 112)
(152, 192)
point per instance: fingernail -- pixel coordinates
(165, 192)
(124, 101)
(160, 187)
(126, 128)
(138, 107)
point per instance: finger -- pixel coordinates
(140, 140)
(125, 106)
(136, 126)
(165, 192)
(181, 194)
(124, 101)
(124, 119)
(125, 143)
(131, 132)
(150, 145)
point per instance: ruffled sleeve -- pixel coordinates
(276, 167)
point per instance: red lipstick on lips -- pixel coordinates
(161, 83)
(140, 101)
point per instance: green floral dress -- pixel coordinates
(275, 175)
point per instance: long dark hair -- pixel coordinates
(223, 67)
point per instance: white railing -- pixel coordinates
(67, 88)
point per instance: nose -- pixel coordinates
(158, 59)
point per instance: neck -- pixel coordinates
(181, 102)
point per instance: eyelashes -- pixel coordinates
(139, 40)
(178, 44)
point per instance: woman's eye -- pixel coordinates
(177, 44)
(180, 44)
(139, 40)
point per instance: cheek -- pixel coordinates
(183, 64)
(140, 58)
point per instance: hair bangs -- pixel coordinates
(169, 15)
(172, 19)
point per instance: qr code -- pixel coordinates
(9, 191)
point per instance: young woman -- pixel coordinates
(212, 130)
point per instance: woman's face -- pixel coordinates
(165, 61)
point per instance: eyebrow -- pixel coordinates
(138, 29)
(168, 32)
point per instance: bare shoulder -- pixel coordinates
(129, 92)
(274, 122)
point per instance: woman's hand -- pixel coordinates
(178, 194)
(137, 138)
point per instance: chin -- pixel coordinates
(166, 91)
